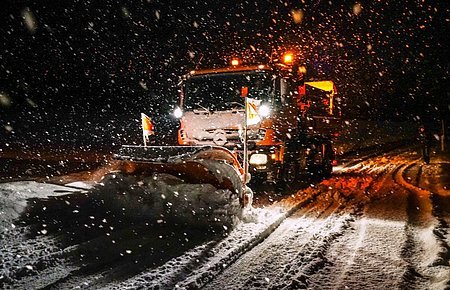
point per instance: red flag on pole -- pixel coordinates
(147, 128)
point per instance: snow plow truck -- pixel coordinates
(245, 122)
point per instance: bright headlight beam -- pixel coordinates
(264, 110)
(177, 113)
(258, 159)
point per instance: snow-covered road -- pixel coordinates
(374, 231)
(381, 222)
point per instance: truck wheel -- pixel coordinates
(324, 167)
(320, 158)
(327, 166)
(289, 172)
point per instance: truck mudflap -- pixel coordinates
(194, 164)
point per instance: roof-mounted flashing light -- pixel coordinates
(288, 58)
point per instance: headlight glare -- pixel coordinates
(177, 113)
(258, 159)
(264, 110)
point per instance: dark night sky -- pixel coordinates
(80, 72)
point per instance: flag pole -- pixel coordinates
(245, 137)
(143, 131)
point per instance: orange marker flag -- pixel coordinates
(147, 128)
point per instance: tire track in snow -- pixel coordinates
(293, 251)
(214, 267)
(440, 197)
(361, 257)
(442, 231)
(425, 250)
(353, 207)
(298, 272)
(25, 258)
(318, 245)
(354, 252)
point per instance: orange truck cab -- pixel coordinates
(288, 132)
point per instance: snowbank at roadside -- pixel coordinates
(14, 196)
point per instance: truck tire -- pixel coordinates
(290, 171)
(327, 166)
(320, 159)
(323, 166)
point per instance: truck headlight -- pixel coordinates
(264, 110)
(258, 159)
(177, 113)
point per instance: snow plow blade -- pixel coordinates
(193, 164)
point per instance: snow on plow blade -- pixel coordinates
(194, 164)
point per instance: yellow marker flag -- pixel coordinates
(252, 111)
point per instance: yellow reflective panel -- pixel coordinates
(327, 86)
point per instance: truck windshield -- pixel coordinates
(223, 91)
